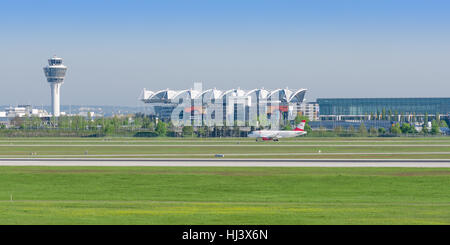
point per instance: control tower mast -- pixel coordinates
(55, 73)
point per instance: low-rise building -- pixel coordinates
(23, 111)
(310, 110)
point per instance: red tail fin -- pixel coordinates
(301, 126)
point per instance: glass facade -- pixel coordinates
(53, 72)
(330, 125)
(364, 106)
(55, 61)
(232, 107)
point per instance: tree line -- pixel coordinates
(141, 125)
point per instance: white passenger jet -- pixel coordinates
(277, 134)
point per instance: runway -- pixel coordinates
(141, 162)
(187, 155)
(224, 145)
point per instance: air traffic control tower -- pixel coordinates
(55, 73)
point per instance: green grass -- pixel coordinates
(235, 151)
(183, 195)
(214, 195)
(231, 147)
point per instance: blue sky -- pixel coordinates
(378, 48)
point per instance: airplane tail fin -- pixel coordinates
(301, 126)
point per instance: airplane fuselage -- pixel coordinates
(274, 134)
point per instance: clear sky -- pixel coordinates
(114, 49)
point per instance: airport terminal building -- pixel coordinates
(398, 109)
(234, 105)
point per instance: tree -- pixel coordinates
(188, 131)
(373, 131)
(36, 122)
(362, 129)
(263, 122)
(338, 130)
(412, 129)
(17, 122)
(395, 129)
(381, 131)
(322, 131)
(138, 120)
(408, 128)
(443, 124)
(161, 128)
(170, 126)
(405, 128)
(298, 119)
(109, 129)
(435, 127)
(147, 123)
(79, 123)
(287, 127)
(202, 131)
(351, 130)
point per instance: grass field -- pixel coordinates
(406, 148)
(224, 195)
(188, 195)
